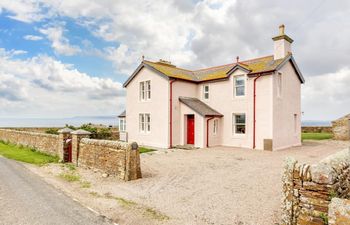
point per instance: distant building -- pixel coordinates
(252, 104)
(341, 128)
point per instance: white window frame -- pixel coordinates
(145, 122)
(145, 90)
(206, 92)
(215, 126)
(279, 85)
(234, 124)
(235, 86)
(122, 124)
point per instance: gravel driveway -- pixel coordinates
(219, 185)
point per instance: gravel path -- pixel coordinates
(26, 199)
(224, 186)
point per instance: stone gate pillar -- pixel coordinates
(63, 135)
(133, 168)
(76, 137)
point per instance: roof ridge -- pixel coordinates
(168, 66)
(213, 67)
(249, 60)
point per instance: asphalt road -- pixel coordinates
(25, 199)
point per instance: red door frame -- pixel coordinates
(190, 129)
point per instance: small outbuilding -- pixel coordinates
(341, 128)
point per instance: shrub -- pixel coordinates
(52, 131)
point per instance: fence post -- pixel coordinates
(76, 137)
(63, 135)
(132, 163)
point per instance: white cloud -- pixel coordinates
(43, 86)
(196, 34)
(32, 38)
(23, 10)
(59, 43)
(327, 96)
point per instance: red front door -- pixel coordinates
(190, 129)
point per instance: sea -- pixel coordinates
(58, 122)
(99, 120)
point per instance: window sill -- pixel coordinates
(239, 136)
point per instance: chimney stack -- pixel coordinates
(282, 44)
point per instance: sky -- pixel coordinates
(70, 58)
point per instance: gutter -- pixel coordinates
(171, 114)
(208, 130)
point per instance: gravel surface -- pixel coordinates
(219, 185)
(27, 200)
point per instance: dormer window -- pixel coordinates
(145, 90)
(206, 92)
(239, 89)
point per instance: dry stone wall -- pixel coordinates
(46, 143)
(309, 189)
(341, 129)
(316, 129)
(112, 157)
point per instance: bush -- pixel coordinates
(52, 131)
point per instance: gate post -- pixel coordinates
(76, 137)
(63, 135)
(132, 162)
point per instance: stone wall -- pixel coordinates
(339, 212)
(46, 143)
(309, 189)
(316, 129)
(341, 129)
(112, 157)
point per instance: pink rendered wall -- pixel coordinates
(158, 107)
(285, 132)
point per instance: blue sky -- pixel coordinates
(70, 58)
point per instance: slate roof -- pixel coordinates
(123, 114)
(258, 65)
(200, 107)
(253, 66)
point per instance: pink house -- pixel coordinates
(252, 104)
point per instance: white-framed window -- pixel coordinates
(215, 126)
(279, 84)
(122, 124)
(239, 123)
(239, 84)
(145, 122)
(145, 90)
(206, 92)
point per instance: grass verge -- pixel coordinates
(70, 177)
(145, 150)
(316, 136)
(25, 154)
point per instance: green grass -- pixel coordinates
(85, 184)
(145, 150)
(25, 154)
(316, 136)
(70, 177)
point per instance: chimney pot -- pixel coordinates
(281, 29)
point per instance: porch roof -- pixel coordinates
(123, 114)
(200, 107)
